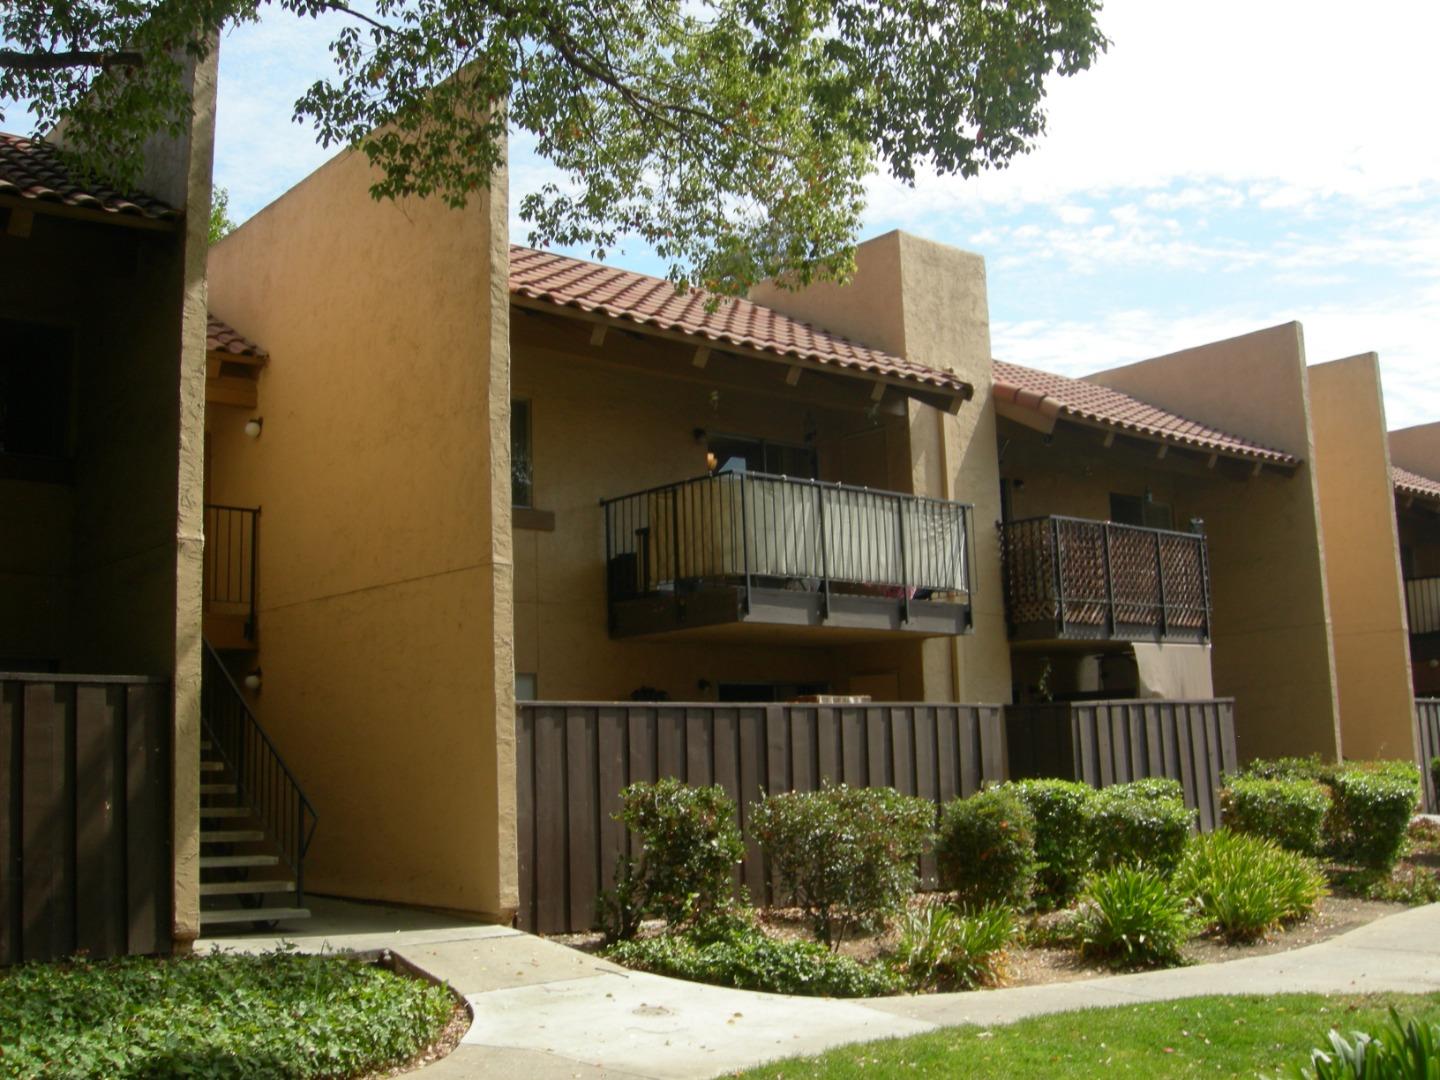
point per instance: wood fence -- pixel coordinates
(574, 758)
(1427, 719)
(84, 816)
(1113, 742)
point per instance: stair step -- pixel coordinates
(212, 766)
(218, 789)
(225, 811)
(231, 836)
(232, 888)
(249, 915)
(218, 862)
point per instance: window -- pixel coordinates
(1140, 510)
(761, 455)
(522, 486)
(34, 390)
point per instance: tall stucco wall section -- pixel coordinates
(1271, 635)
(382, 474)
(1417, 449)
(1362, 569)
(927, 302)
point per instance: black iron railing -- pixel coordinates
(264, 782)
(1422, 605)
(1071, 577)
(232, 540)
(759, 530)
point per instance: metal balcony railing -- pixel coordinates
(1074, 578)
(232, 535)
(756, 530)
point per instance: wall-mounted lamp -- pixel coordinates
(253, 426)
(252, 681)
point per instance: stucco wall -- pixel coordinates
(1367, 604)
(1272, 648)
(927, 302)
(1417, 448)
(382, 473)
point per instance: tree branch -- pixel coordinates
(54, 61)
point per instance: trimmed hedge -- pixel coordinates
(985, 850)
(1064, 813)
(1370, 812)
(1290, 812)
(1143, 822)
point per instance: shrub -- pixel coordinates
(1406, 1050)
(736, 953)
(941, 948)
(1133, 917)
(1142, 822)
(1371, 807)
(985, 850)
(1155, 787)
(1406, 884)
(1435, 774)
(847, 855)
(1290, 812)
(1289, 768)
(689, 843)
(1064, 836)
(1245, 885)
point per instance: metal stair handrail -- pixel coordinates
(263, 781)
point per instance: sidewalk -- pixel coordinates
(545, 1011)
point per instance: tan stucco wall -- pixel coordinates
(1362, 570)
(1272, 648)
(927, 302)
(382, 473)
(1417, 449)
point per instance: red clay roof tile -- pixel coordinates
(652, 301)
(33, 170)
(1055, 395)
(220, 338)
(1412, 483)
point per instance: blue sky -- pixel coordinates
(1229, 165)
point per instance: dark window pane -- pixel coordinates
(34, 389)
(522, 486)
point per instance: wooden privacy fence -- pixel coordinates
(1427, 719)
(574, 758)
(1113, 742)
(84, 816)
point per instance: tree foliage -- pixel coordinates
(734, 136)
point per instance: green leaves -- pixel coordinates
(733, 136)
(1244, 886)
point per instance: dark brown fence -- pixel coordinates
(84, 816)
(1427, 718)
(574, 758)
(1113, 742)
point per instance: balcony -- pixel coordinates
(1069, 578)
(231, 560)
(731, 548)
(1422, 605)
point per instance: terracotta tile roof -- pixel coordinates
(1412, 483)
(33, 170)
(1056, 395)
(220, 338)
(652, 301)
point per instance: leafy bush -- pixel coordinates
(222, 1015)
(1064, 814)
(1289, 768)
(1435, 774)
(941, 948)
(690, 844)
(985, 850)
(847, 855)
(1406, 884)
(1133, 917)
(732, 952)
(1290, 812)
(1142, 822)
(1247, 885)
(1406, 1050)
(1370, 811)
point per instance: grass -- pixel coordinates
(279, 1014)
(1208, 1036)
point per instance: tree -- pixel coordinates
(220, 224)
(734, 136)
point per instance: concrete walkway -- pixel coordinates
(545, 1011)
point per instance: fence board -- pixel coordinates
(569, 757)
(1427, 718)
(100, 875)
(10, 868)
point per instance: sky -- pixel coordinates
(1228, 165)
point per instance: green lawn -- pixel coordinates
(1210, 1036)
(279, 1014)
